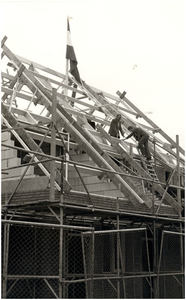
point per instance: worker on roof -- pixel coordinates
(115, 127)
(142, 137)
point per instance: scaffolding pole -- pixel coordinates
(179, 201)
(61, 290)
(122, 270)
(118, 254)
(155, 259)
(53, 147)
(154, 229)
(92, 267)
(5, 256)
(148, 260)
(84, 265)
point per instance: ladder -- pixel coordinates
(151, 170)
(118, 145)
(148, 166)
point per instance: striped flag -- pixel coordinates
(70, 54)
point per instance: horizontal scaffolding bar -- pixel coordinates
(46, 225)
(152, 274)
(171, 232)
(102, 277)
(116, 230)
(93, 209)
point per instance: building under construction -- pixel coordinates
(84, 215)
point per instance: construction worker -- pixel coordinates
(142, 137)
(115, 127)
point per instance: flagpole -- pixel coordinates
(70, 55)
(67, 66)
(67, 63)
(66, 79)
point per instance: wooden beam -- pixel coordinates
(40, 67)
(9, 91)
(65, 86)
(3, 40)
(30, 142)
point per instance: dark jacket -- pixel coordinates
(138, 133)
(115, 128)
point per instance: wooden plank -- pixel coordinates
(9, 91)
(22, 112)
(38, 137)
(40, 67)
(7, 76)
(45, 81)
(30, 119)
(3, 40)
(59, 83)
(11, 86)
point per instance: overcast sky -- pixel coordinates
(137, 45)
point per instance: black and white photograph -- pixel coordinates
(93, 97)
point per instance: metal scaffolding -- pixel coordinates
(63, 242)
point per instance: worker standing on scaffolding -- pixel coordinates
(115, 127)
(142, 137)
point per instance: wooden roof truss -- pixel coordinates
(27, 89)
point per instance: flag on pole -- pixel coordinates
(70, 54)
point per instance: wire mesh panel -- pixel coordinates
(171, 266)
(32, 262)
(32, 289)
(37, 262)
(41, 264)
(113, 261)
(76, 290)
(33, 251)
(73, 272)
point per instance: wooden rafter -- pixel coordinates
(75, 120)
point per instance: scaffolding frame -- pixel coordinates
(86, 138)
